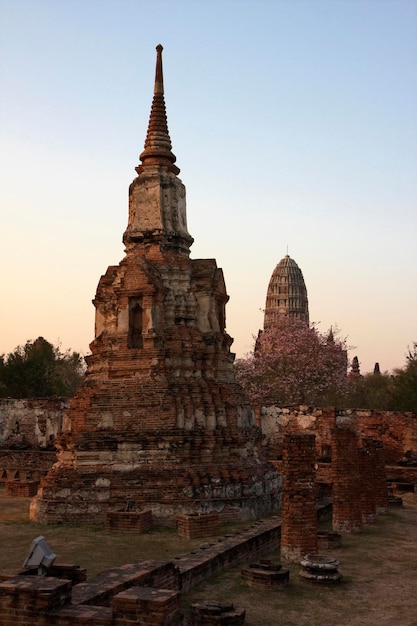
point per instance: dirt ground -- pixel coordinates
(379, 567)
(379, 585)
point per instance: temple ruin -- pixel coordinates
(160, 420)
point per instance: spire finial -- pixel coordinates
(158, 143)
(159, 78)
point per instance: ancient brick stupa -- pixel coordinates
(159, 421)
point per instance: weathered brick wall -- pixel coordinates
(34, 421)
(396, 430)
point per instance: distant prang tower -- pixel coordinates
(287, 294)
(160, 421)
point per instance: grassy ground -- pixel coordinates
(88, 546)
(379, 566)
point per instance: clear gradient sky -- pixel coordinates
(294, 123)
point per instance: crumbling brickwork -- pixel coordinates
(397, 431)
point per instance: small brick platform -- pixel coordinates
(128, 521)
(197, 525)
(265, 575)
(217, 614)
(146, 606)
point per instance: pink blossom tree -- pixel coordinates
(293, 363)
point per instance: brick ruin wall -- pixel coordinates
(28, 428)
(38, 421)
(31, 422)
(397, 431)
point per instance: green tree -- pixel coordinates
(38, 369)
(371, 391)
(404, 392)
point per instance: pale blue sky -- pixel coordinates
(294, 124)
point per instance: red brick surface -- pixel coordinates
(299, 516)
(347, 481)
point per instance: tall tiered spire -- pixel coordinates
(158, 143)
(287, 294)
(157, 205)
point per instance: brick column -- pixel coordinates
(299, 516)
(381, 486)
(366, 456)
(347, 481)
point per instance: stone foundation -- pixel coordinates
(169, 472)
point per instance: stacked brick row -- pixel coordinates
(299, 516)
